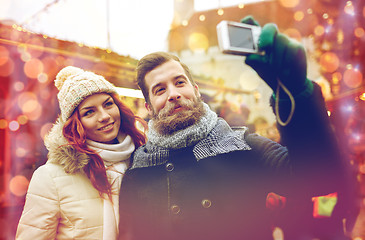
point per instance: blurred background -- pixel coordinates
(40, 37)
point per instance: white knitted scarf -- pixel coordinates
(185, 137)
(116, 158)
(114, 153)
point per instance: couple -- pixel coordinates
(195, 177)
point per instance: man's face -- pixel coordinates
(174, 101)
(166, 84)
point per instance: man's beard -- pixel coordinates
(166, 122)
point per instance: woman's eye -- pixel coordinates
(180, 82)
(87, 113)
(109, 104)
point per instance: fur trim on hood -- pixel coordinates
(60, 152)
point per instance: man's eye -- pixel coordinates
(159, 90)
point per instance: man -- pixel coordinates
(196, 178)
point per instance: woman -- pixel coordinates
(75, 194)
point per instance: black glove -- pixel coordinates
(284, 59)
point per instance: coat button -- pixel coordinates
(169, 167)
(175, 209)
(206, 203)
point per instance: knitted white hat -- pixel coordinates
(75, 84)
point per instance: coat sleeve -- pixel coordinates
(40, 216)
(313, 150)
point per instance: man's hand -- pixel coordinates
(284, 59)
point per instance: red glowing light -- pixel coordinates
(33, 68)
(7, 68)
(329, 62)
(18, 185)
(352, 78)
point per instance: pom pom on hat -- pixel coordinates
(75, 84)
(66, 73)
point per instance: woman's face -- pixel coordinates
(100, 118)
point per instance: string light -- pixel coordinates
(14, 126)
(3, 124)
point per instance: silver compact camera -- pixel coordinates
(238, 38)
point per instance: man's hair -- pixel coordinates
(150, 62)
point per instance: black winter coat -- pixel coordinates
(223, 196)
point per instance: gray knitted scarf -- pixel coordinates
(210, 136)
(185, 137)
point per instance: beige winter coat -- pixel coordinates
(61, 202)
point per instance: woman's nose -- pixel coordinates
(104, 115)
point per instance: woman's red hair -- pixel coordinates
(95, 169)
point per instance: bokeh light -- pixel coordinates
(3, 123)
(359, 32)
(24, 98)
(45, 129)
(329, 62)
(349, 8)
(18, 185)
(33, 68)
(36, 110)
(336, 77)
(4, 55)
(289, 3)
(197, 41)
(319, 30)
(14, 126)
(340, 36)
(22, 119)
(20, 152)
(220, 12)
(352, 78)
(51, 66)
(29, 104)
(177, 40)
(18, 86)
(23, 142)
(25, 56)
(298, 16)
(202, 17)
(362, 97)
(42, 78)
(7, 68)
(293, 33)
(278, 234)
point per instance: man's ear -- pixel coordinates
(149, 108)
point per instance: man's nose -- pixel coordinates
(174, 94)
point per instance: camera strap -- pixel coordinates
(286, 90)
